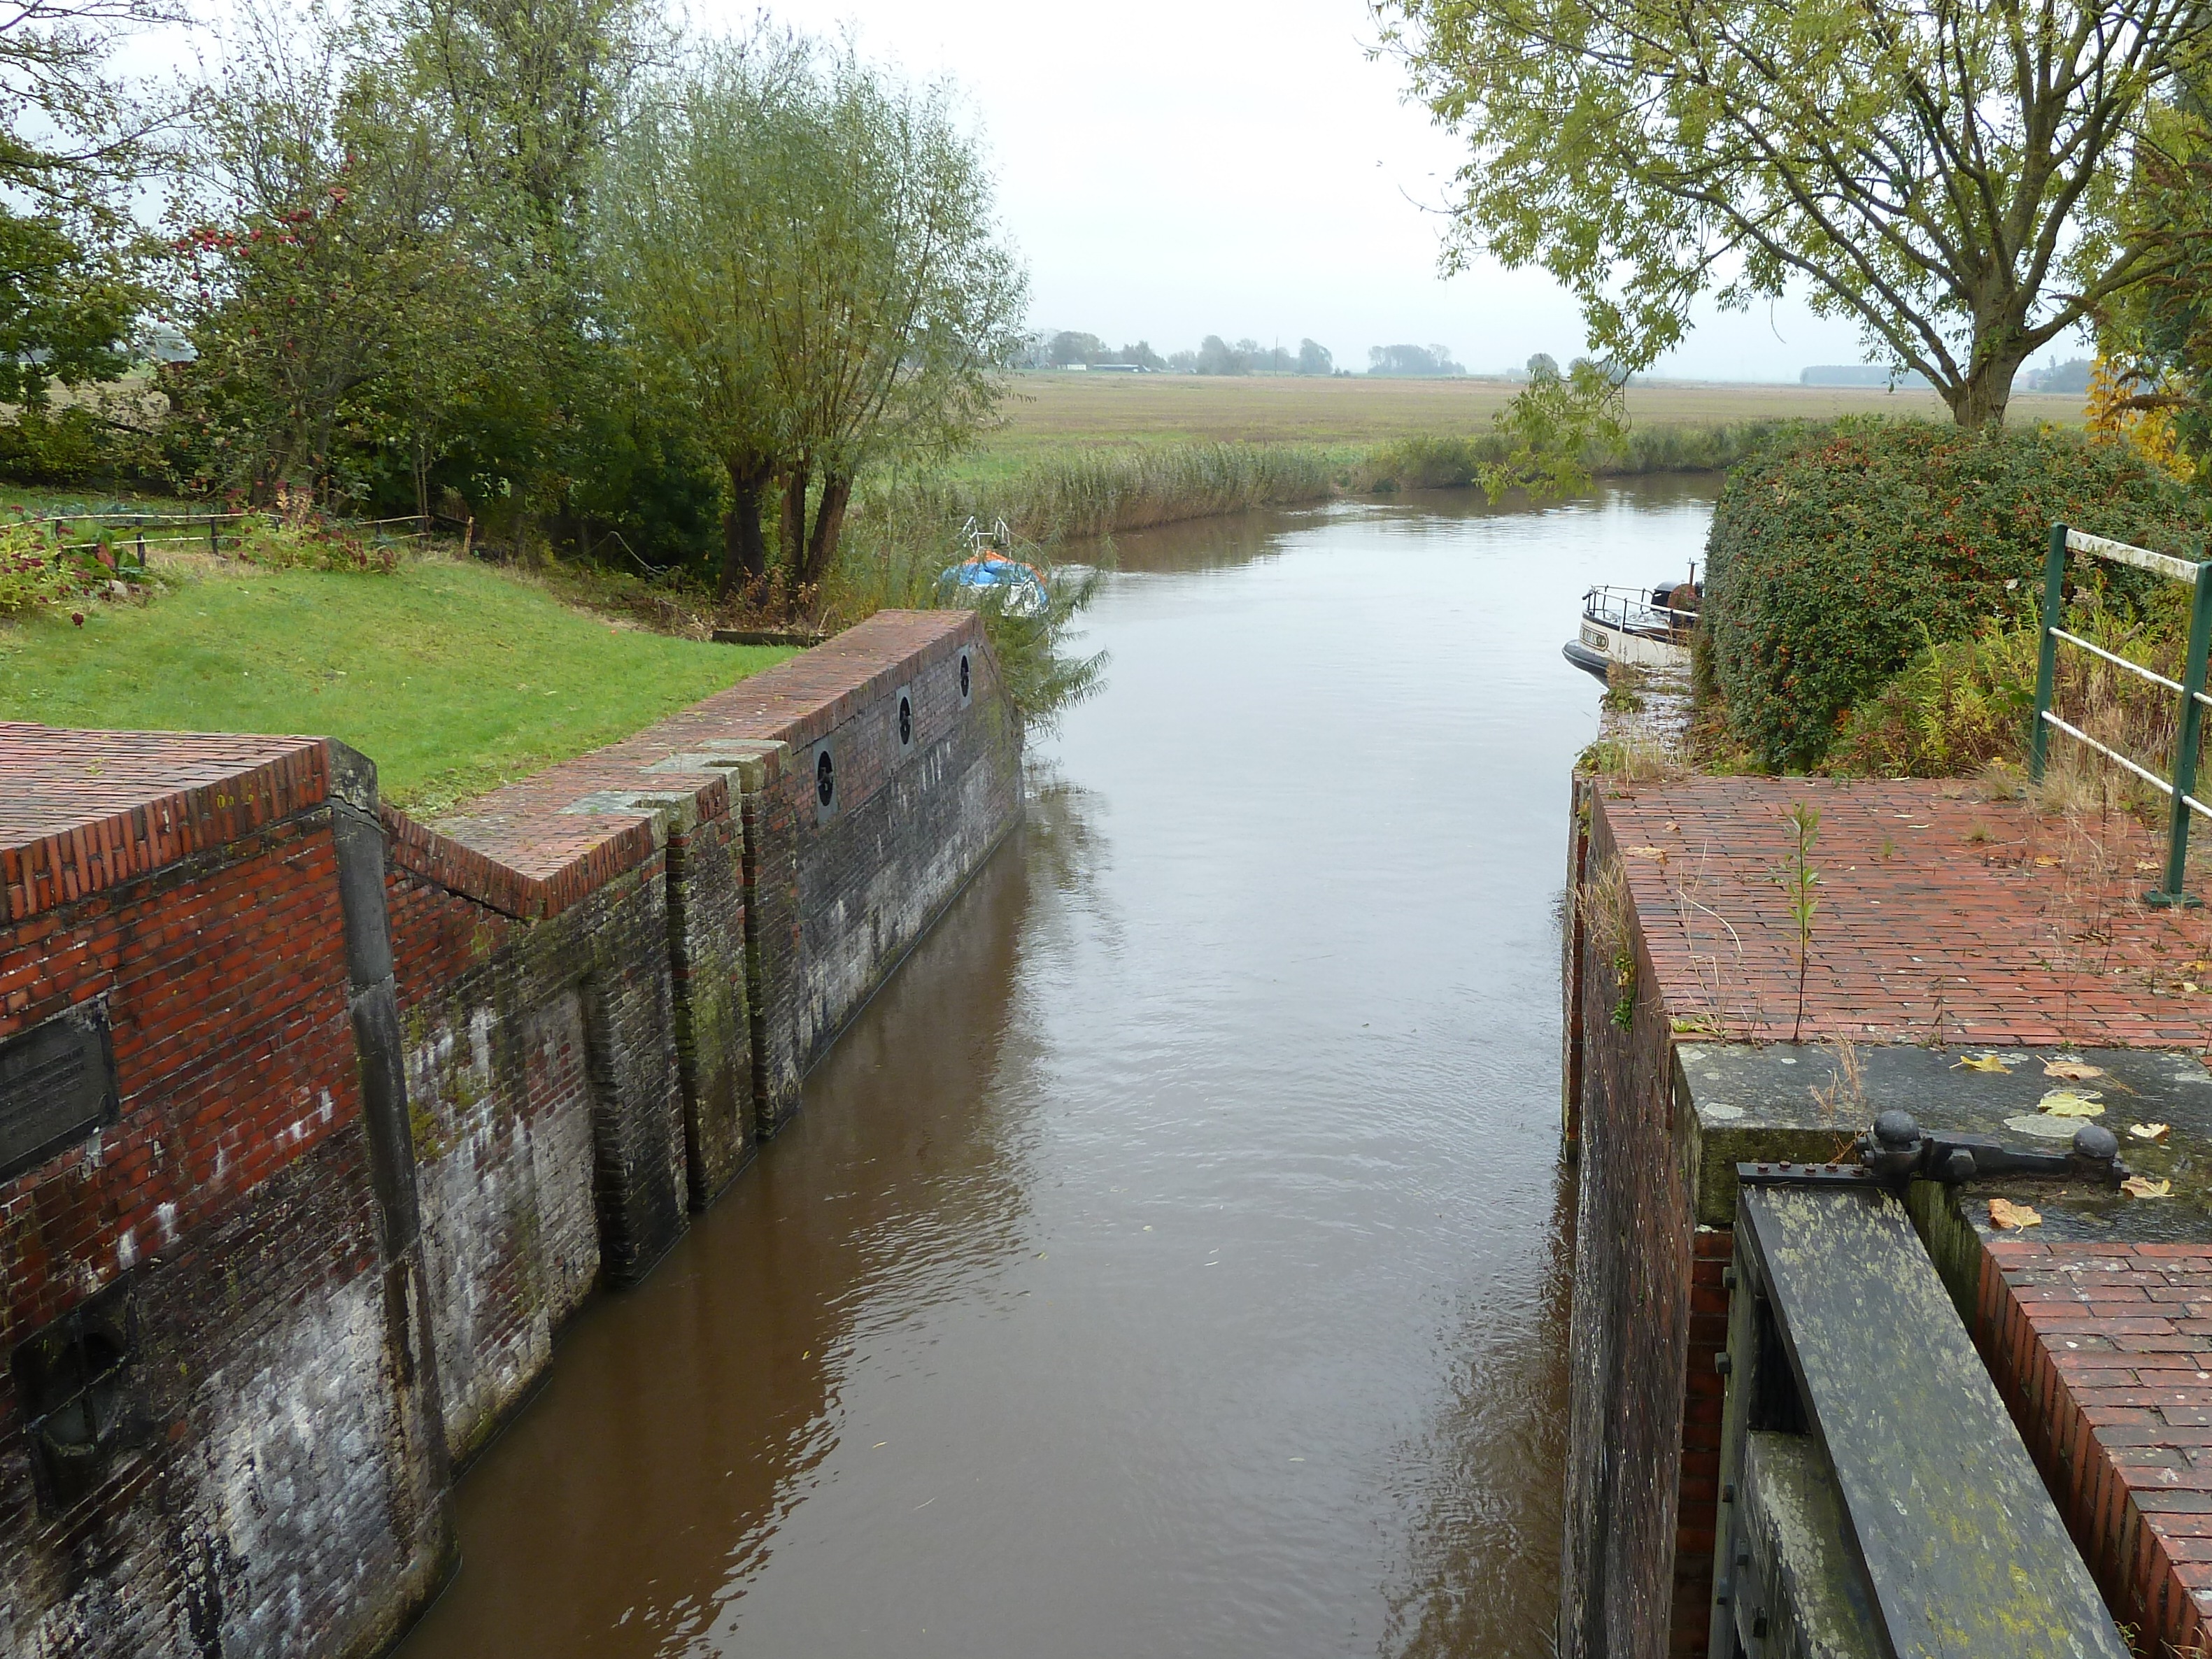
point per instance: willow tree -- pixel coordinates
(803, 251)
(1946, 175)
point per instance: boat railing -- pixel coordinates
(1630, 610)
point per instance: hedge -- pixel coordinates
(1839, 551)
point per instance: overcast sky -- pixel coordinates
(1176, 168)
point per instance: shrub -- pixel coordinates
(34, 572)
(57, 447)
(1958, 705)
(1837, 553)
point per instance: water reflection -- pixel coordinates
(647, 1484)
(1172, 1260)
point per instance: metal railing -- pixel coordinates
(1630, 610)
(2180, 790)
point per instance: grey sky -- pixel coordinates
(1175, 168)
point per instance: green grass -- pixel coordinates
(452, 677)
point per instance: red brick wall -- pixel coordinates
(233, 1200)
(1631, 1585)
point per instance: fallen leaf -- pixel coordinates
(1981, 1063)
(2148, 1131)
(2188, 985)
(1674, 829)
(2045, 864)
(2005, 1215)
(2144, 1186)
(1659, 853)
(2074, 1071)
(2066, 1103)
(2143, 867)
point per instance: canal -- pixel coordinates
(1170, 1261)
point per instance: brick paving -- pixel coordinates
(1943, 916)
(2104, 1353)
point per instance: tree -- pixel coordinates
(1946, 175)
(805, 253)
(1068, 348)
(1314, 358)
(1411, 360)
(325, 273)
(1217, 357)
(64, 311)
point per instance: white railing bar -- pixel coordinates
(2113, 755)
(2192, 801)
(2162, 564)
(2116, 661)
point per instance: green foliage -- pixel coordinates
(802, 254)
(1799, 882)
(1836, 554)
(69, 445)
(64, 310)
(1960, 706)
(1949, 177)
(1100, 492)
(455, 676)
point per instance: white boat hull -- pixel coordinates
(1619, 645)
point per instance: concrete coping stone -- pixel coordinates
(1767, 1103)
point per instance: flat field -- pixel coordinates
(453, 676)
(1050, 412)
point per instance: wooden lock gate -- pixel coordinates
(1875, 1497)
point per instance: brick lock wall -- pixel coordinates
(909, 830)
(1643, 1423)
(397, 1097)
(279, 1480)
(546, 1114)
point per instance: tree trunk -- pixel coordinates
(1980, 401)
(744, 549)
(794, 520)
(828, 524)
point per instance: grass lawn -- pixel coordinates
(453, 677)
(1052, 411)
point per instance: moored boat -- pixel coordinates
(1641, 628)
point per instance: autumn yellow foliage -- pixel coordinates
(2150, 432)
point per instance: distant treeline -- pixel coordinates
(2070, 376)
(1071, 348)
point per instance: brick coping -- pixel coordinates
(84, 811)
(81, 810)
(1942, 917)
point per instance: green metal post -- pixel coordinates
(2046, 668)
(2185, 746)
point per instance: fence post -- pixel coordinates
(2185, 745)
(2046, 667)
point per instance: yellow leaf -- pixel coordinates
(2188, 985)
(2005, 1215)
(2074, 1071)
(2145, 868)
(1981, 1063)
(2144, 1186)
(2148, 1131)
(2066, 1103)
(1659, 853)
(2045, 864)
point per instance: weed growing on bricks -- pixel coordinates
(1797, 879)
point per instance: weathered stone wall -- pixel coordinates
(546, 1111)
(1626, 1587)
(225, 1252)
(392, 1099)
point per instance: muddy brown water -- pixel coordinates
(1170, 1261)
